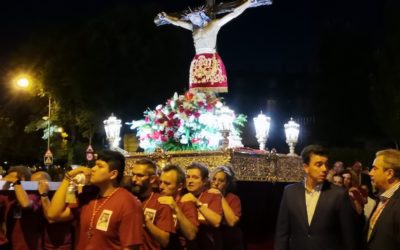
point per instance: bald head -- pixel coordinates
(41, 176)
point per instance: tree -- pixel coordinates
(98, 66)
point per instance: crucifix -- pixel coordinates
(207, 71)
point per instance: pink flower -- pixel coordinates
(196, 114)
(195, 140)
(164, 138)
(156, 135)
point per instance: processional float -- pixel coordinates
(197, 126)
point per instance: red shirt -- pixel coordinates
(24, 226)
(234, 202)
(212, 201)
(208, 236)
(190, 211)
(58, 236)
(117, 224)
(178, 241)
(161, 217)
(3, 204)
(232, 237)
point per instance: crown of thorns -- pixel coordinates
(202, 10)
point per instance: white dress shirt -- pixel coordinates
(312, 197)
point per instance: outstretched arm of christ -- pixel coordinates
(235, 13)
(164, 17)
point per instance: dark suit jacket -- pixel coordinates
(386, 232)
(334, 225)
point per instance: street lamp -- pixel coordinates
(292, 130)
(112, 127)
(262, 124)
(225, 120)
(23, 82)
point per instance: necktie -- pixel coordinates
(375, 216)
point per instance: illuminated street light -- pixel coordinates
(23, 82)
(225, 120)
(292, 130)
(262, 124)
(112, 127)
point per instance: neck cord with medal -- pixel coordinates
(145, 204)
(96, 210)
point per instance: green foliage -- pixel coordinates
(90, 68)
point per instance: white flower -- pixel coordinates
(135, 124)
(184, 140)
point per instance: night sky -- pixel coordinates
(271, 52)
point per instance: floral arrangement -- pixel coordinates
(185, 122)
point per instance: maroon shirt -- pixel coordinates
(24, 226)
(117, 224)
(162, 218)
(232, 236)
(58, 236)
(178, 241)
(209, 237)
(234, 202)
(3, 204)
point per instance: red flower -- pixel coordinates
(170, 134)
(196, 114)
(159, 121)
(181, 109)
(146, 118)
(171, 115)
(170, 123)
(164, 138)
(201, 104)
(188, 112)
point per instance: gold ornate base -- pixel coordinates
(248, 164)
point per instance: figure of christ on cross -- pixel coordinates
(207, 71)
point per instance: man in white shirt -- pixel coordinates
(316, 214)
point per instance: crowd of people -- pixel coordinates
(142, 208)
(186, 207)
(336, 208)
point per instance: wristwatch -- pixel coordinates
(17, 182)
